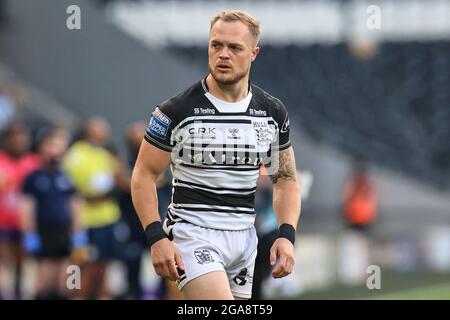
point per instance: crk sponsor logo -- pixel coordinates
(203, 256)
(202, 132)
(233, 133)
(260, 113)
(242, 277)
(204, 111)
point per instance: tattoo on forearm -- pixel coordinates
(286, 167)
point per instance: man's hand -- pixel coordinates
(283, 249)
(166, 259)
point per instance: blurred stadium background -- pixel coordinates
(378, 98)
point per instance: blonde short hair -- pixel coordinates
(234, 15)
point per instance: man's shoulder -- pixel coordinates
(34, 174)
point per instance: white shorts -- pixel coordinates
(205, 250)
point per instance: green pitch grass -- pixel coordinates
(434, 292)
(394, 286)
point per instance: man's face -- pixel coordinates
(98, 131)
(53, 148)
(231, 51)
(135, 134)
(17, 143)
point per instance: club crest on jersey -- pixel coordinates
(159, 124)
(203, 256)
(262, 136)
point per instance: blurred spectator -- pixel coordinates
(136, 242)
(267, 229)
(95, 171)
(16, 162)
(360, 200)
(7, 109)
(50, 216)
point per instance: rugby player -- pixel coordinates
(215, 136)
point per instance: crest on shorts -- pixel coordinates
(242, 277)
(203, 256)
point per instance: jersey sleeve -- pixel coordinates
(283, 126)
(160, 126)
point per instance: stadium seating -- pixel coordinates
(392, 108)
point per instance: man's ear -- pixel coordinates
(255, 53)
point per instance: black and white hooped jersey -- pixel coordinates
(217, 149)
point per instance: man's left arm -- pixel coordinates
(286, 204)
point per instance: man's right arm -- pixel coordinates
(150, 163)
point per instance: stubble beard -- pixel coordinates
(227, 80)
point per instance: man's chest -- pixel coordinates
(226, 140)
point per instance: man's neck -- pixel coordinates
(16, 155)
(48, 167)
(230, 93)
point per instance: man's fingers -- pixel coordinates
(276, 273)
(161, 270)
(166, 259)
(284, 267)
(172, 270)
(273, 255)
(289, 267)
(290, 264)
(283, 262)
(280, 273)
(157, 270)
(179, 261)
(280, 268)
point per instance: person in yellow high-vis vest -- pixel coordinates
(95, 172)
